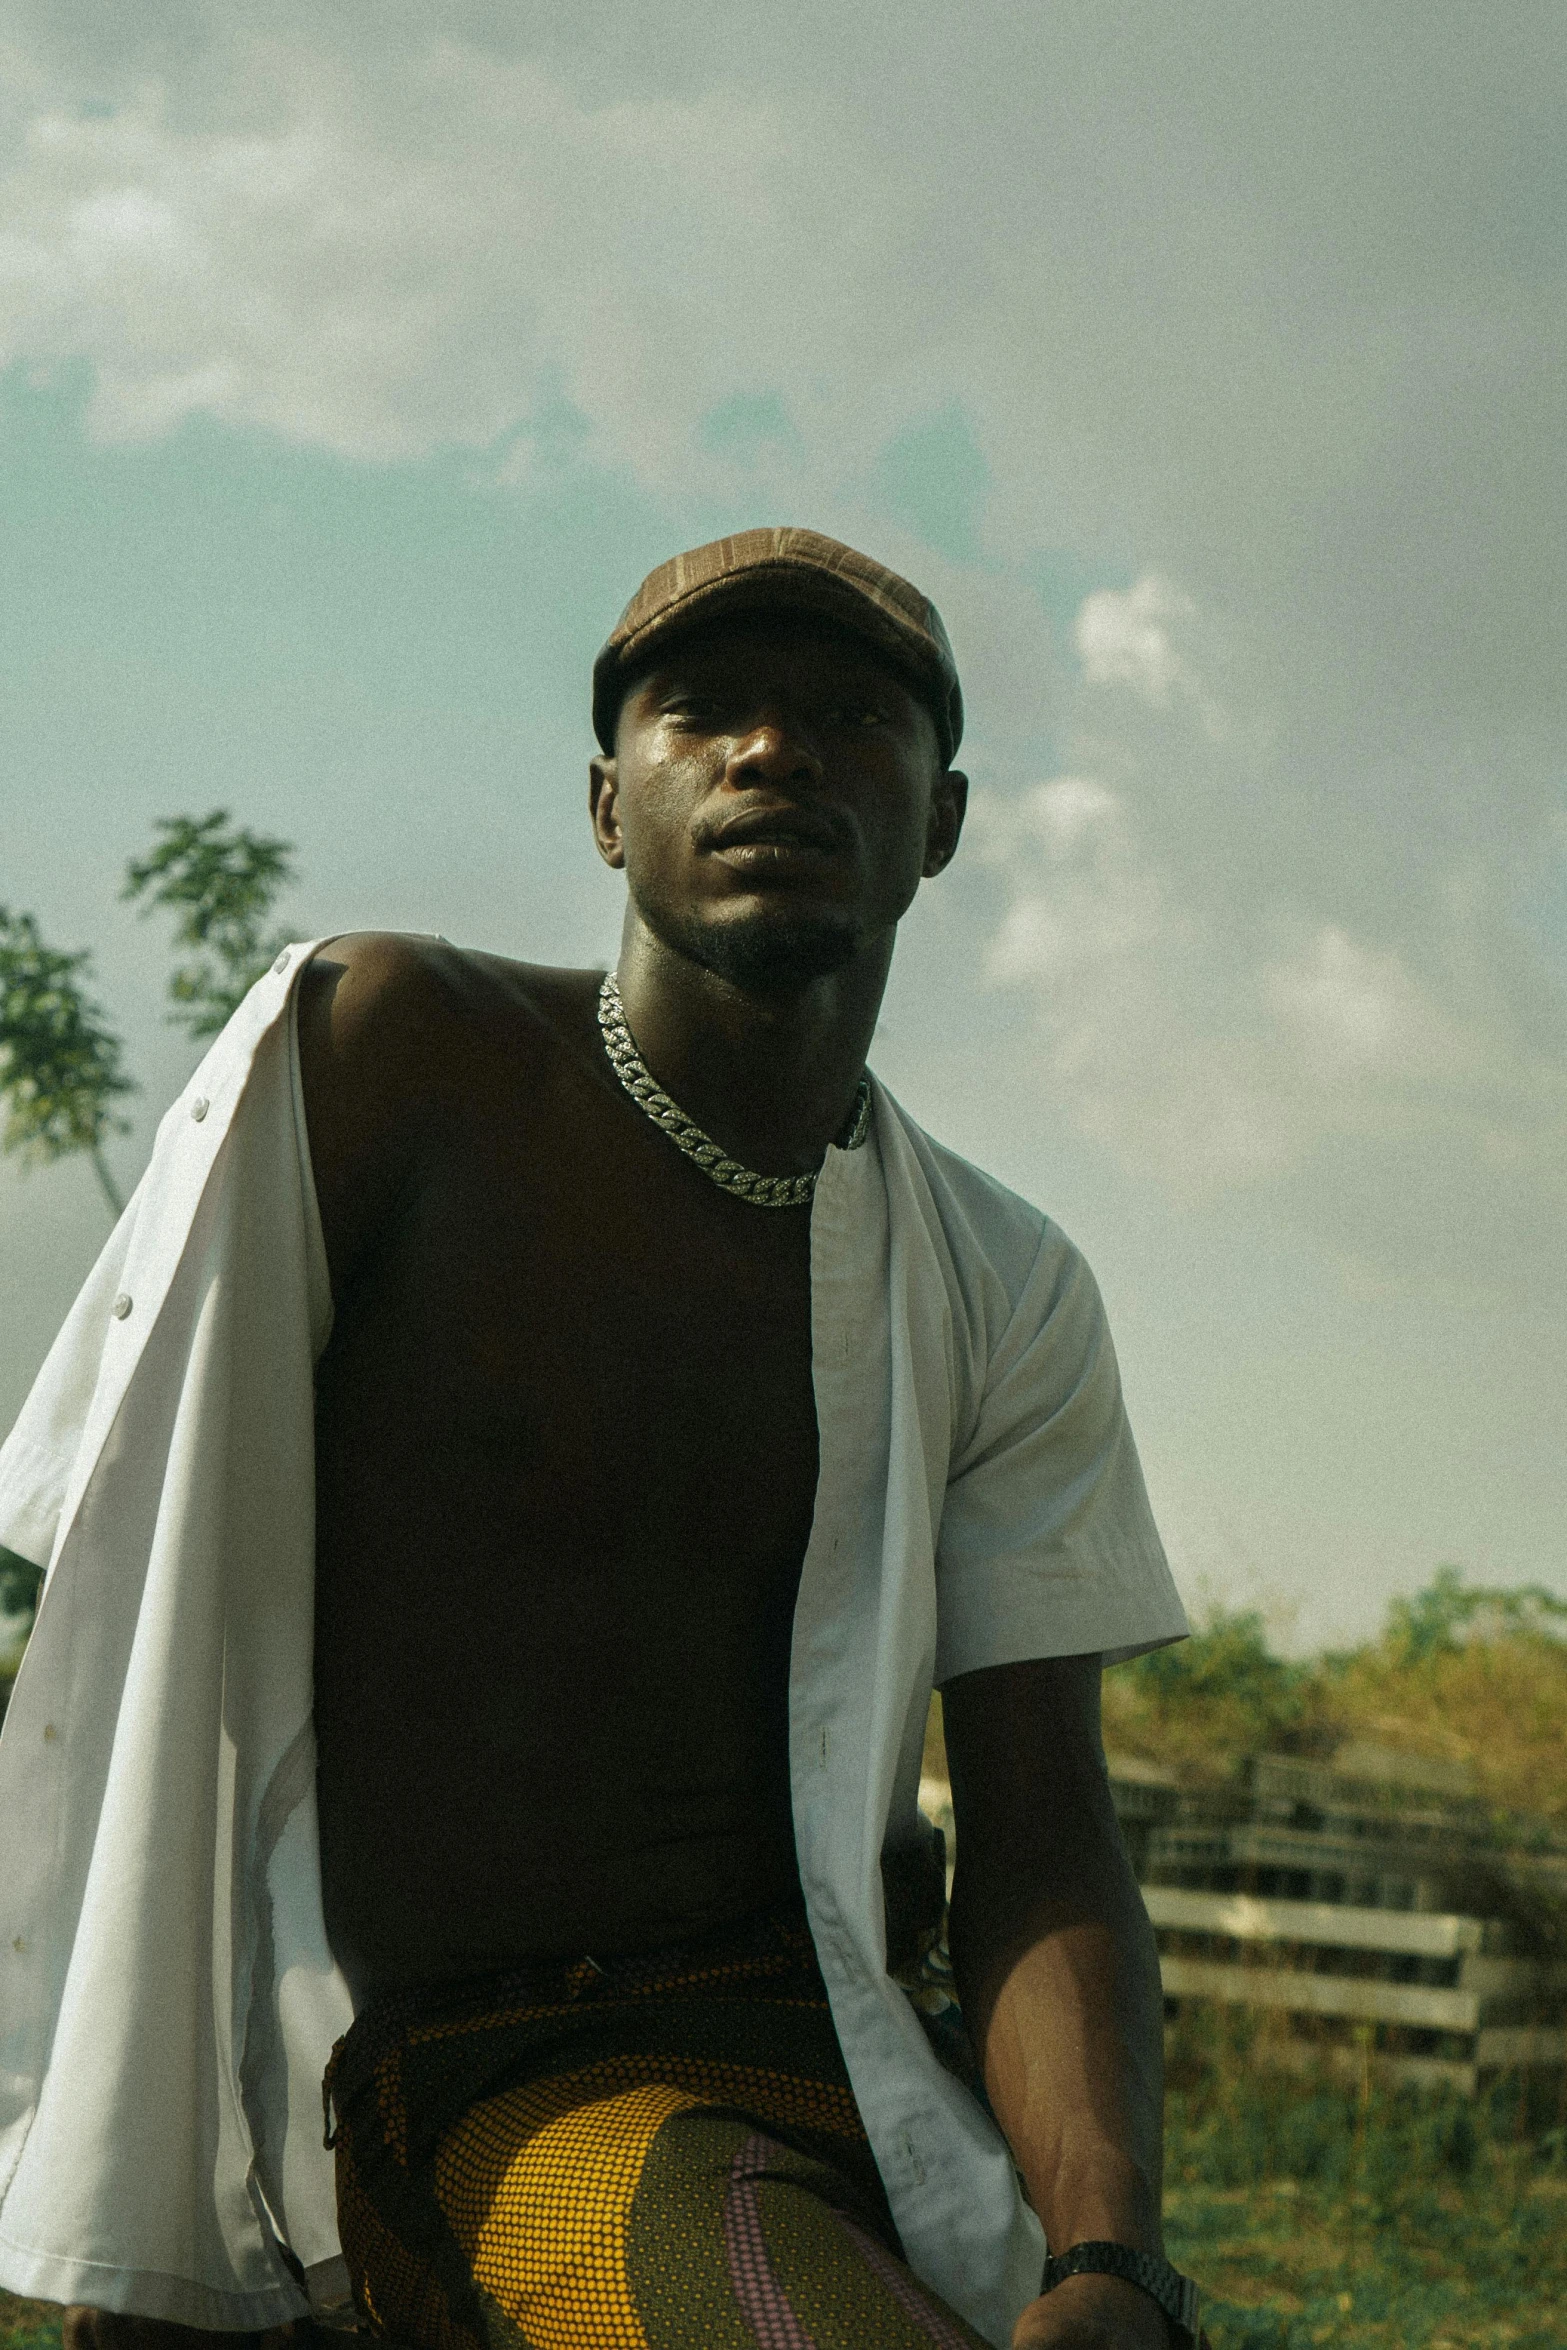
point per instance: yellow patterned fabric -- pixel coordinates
(659, 2154)
(543, 2210)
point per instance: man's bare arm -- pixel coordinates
(374, 1012)
(1059, 1980)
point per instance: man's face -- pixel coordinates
(775, 797)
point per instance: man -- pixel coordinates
(684, 1411)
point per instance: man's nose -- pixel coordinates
(771, 750)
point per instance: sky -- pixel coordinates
(1206, 365)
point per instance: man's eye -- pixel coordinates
(858, 714)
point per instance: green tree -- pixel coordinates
(221, 881)
(1228, 1660)
(60, 1066)
(19, 1582)
(1437, 1620)
(1202, 1704)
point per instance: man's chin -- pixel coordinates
(774, 953)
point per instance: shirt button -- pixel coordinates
(50, 1733)
(199, 1107)
(121, 1307)
(19, 1942)
(282, 962)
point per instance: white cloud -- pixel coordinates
(1130, 637)
(1123, 638)
(1218, 1037)
(1350, 1007)
(398, 258)
(1122, 974)
(1087, 906)
(1313, 411)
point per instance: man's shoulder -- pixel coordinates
(398, 1037)
(398, 1006)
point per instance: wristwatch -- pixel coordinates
(1175, 2294)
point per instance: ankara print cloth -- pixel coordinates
(659, 2153)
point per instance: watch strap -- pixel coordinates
(1176, 2295)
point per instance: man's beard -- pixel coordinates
(768, 954)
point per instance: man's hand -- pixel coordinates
(1092, 2313)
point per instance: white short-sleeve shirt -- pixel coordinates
(168, 1998)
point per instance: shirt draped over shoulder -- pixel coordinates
(168, 1998)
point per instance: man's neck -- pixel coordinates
(771, 1076)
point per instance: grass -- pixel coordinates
(28, 2325)
(1366, 2218)
(1363, 2217)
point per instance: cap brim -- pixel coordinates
(786, 588)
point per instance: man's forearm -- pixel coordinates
(1061, 1990)
(1055, 1958)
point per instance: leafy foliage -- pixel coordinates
(19, 1582)
(1438, 1620)
(1462, 1673)
(1206, 1702)
(1493, 1695)
(60, 1066)
(221, 881)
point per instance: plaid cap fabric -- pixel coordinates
(784, 570)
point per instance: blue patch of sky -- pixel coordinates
(1062, 576)
(934, 479)
(387, 664)
(748, 427)
(555, 431)
(220, 616)
(239, 560)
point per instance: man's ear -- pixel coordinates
(948, 806)
(604, 810)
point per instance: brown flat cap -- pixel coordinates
(784, 570)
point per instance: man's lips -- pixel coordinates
(789, 828)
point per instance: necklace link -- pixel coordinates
(763, 1191)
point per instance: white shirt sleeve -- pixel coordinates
(38, 1456)
(1047, 1545)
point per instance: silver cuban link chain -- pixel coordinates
(763, 1191)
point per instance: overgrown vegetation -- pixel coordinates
(1364, 2217)
(1361, 2216)
(1460, 1673)
(28, 2325)
(60, 1065)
